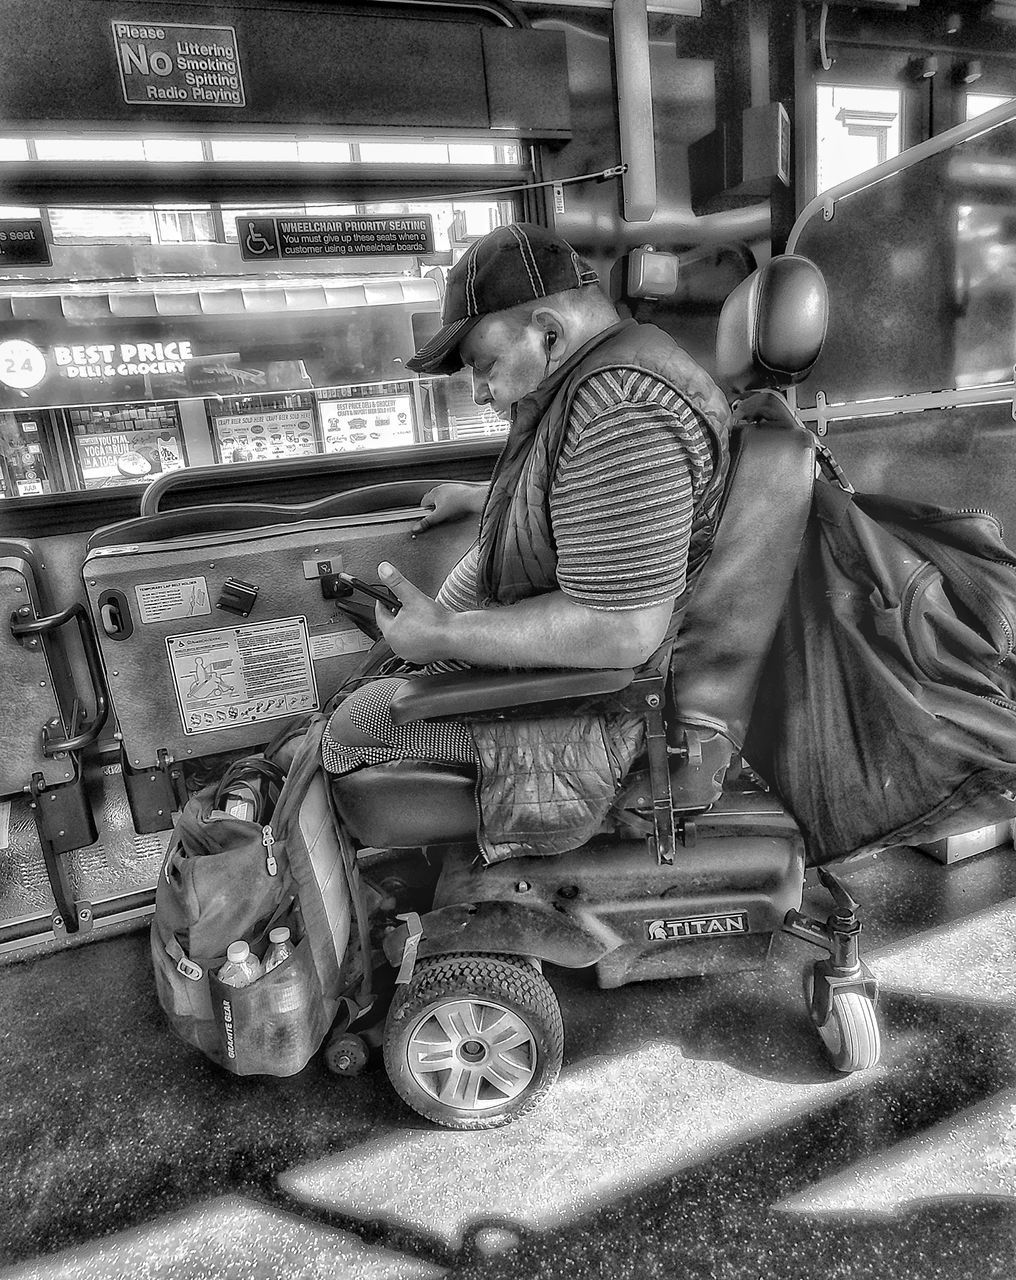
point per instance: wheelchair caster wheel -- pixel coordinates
(473, 1041)
(346, 1055)
(848, 1028)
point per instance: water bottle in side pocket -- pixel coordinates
(242, 967)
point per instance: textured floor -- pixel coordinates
(695, 1130)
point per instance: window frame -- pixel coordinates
(862, 67)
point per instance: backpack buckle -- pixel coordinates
(189, 969)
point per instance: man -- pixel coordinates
(599, 511)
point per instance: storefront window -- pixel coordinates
(267, 371)
(256, 428)
(371, 417)
(147, 338)
(125, 444)
(23, 472)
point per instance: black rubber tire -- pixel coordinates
(505, 993)
(346, 1054)
(850, 1034)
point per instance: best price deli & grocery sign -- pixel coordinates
(37, 374)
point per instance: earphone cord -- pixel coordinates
(550, 340)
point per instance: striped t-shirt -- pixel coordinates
(636, 456)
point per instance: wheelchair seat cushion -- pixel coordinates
(408, 803)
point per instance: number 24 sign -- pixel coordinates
(22, 364)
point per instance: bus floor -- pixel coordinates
(695, 1130)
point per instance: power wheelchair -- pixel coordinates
(699, 864)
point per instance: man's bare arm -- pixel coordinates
(549, 630)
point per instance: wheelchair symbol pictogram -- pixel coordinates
(261, 238)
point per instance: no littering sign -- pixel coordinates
(175, 64)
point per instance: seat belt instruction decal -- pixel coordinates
(243, 674)
(334, 644)
(181, 598)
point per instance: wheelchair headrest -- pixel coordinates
(773, 325)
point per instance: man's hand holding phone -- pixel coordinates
(375, 590)
(416, 627)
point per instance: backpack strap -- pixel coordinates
(182, 962)
(352, 870)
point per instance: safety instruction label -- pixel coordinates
(332, 644)
(242, 675)
(180, 598)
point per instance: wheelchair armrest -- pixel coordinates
(457, 693)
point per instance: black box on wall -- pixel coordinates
(740, 160)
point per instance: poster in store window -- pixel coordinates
(22, 462)
(112, 458)
(257, 436)
(367, 423)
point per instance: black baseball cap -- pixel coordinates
(507, 267)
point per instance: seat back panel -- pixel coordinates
(730, 622)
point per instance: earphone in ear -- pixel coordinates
(551, 338)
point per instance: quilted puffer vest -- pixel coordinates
(546, 783)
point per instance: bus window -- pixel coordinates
(857, 128)
(144, 338)
(978, 103)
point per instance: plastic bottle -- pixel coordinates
(289, 997)
(281, 948)
(241, 967)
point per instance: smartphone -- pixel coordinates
(373, 589)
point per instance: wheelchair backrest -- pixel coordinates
(770, 333)
(772, 326)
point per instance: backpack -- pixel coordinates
(228, 878)
(886, 711)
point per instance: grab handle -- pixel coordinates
(374, 497)
(85, 732)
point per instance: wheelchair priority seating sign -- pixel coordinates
(362, 235)
(23, 243)
(706, 926)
